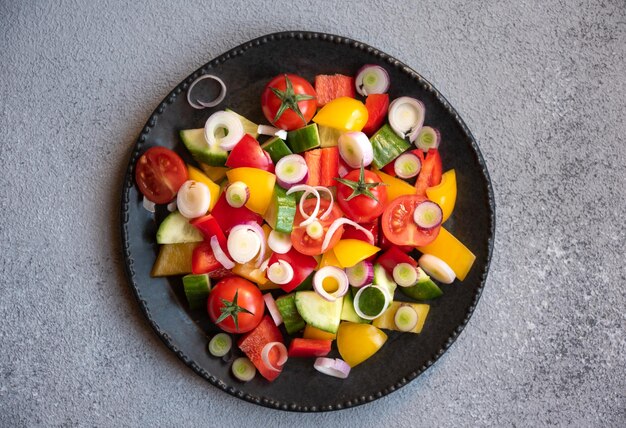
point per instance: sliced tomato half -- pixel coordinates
(399, 227)
(302, 242)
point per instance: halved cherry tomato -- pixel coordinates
(376, 105)
(430, 174)
(248, 153)
(159, 173)
(302, 242)
(293, 106)
(236, 305)
(398, 224)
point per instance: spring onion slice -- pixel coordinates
(437, 268)
(339, 279)
(315, 230)
(372, 79)
(279, 242)
(219, 254)
(405, 318)
(335, 367)
(337, 224)
(220, 345)
(280, 273)
(243, 243)
(312, 190)
(407, 165)
(200, 104)
(223, 120)
(282, 355)
(193, 199)
(427, 215)
(272, 308)
(406, 117)
(405, 275)
(355, 149)
(243, 369)
(428, 138)
(360, 274)
(270, 130)
(291, 170)
(237, 194)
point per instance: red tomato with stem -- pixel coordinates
(361, 195)
(236, 305)
(398, 224)
(302, 242)
(289, 101)
(159, 173)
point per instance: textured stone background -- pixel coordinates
(541, 85)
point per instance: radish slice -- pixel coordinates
(193, 199)
(291, 170)
(407, 165)
(273, 309)
(243, 243)
(279, 242)
(437, 268)
(254, 226)
(372, 79)
(223, 120)
(200, 104)
(337, 224)
(332, 367)
(282, 355)
(405, 275)
(219, 254)
(270, 130)
(428, 138)
(355, 149)
(334, 278)
(237, 194)
(315, 230)
(406, 318)
(360, 274)
(406, 117)
(316, 210)
(428, 215)
(280, 272)
(149, 205)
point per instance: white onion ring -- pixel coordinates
(219, 254)
(200, 104)
(339, 275)
(232, 242)
(223, 119)
(340, 222)
(273, 309)
(416, 127)
(254, 226)
(287, 271)
(282, 359)
(330, 206)
(279, 242)
(312, 190)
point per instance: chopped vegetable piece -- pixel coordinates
(428, 138)
(223, 129)
(387, 319)
(311, 332)
(252, 273)
(287, 307)
(276, 148)
(384, 280)
(372, 79)
(281, 210)
(331, 283)
(329, 166)
(347, 311)
(237, 194)
(203, 260)
(173, 259)
(343, 113)
(395, 187)
(261, 185)
(349, 252)
(329, 259)
(303, 139)
(387, 146)
(291, 170)
(406, 117)
(424, 289)
(357, 342)
(252, 345)
(272, 308)
(303, 265)
(214, 190)
(201, 151)
(371, 301)
(214, 173)
(427, 215)
(193, 199)
(334, 367)
(280, 272)
(437, 268)
(430, 175)
(249, 127)
(376, 105)
(355, 149)
(406, 318)
(197, 288)
(329, 137)
(175, 229)
(452, 251)
(407, 165)
(329, 87)
(313, 160)
(199, 105)
(243, 244)
(360, 274)
(405, 275)
(220, 345)
(308, 348)
(444, 194)
(248, 153)
(243, 369)
(318, 311)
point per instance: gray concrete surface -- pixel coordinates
(542, 86)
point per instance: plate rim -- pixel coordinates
(129, 182)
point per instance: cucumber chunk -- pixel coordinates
(276, 148)
(304, 139)
(281, 210)
(197, 145)
(197, 288)
(318, 312)
(175, 229)
(382, 279)
(348, 313)
(387, 146)
(424, 289)
(291, 317)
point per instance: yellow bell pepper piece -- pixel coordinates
(343, 113)
(199, 176)
(351, 251)
(173, 259)
(311, 332)
(395, 187)
(330, 259)
(215, 173)
(250, 272)
(387, 319)
(452, 251)
(358, 342)
(260, 183)
(444, 194)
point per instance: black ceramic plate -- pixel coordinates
(245, 70)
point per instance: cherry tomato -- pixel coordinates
(398, 224)
(302, 242)
(296, 98)
(236, 305)
(362, 208)
(159, 173)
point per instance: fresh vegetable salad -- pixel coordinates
(319, 230)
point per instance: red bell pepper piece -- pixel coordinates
(253, 342)
(377, 106)
(203, 260)
(309, 348)
(209, 227)
(313, 160)
(430, 174)
(327, 88)
(394, 256)
(248, 153)
(329, 166)
(227, 217)
(302, 265)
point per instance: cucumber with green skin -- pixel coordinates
(201, 151)
(384, 280)
(387, 146)
(175, 229)
(197, 288)
(318, 312)
(347, 312)
(276, 148)
(303, 139)
(291, 317)
(281, 211)
(424, 289)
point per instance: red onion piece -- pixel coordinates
(332, 367)
(402, 127)
(381, 80)
(200, 104)
(282, 358)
